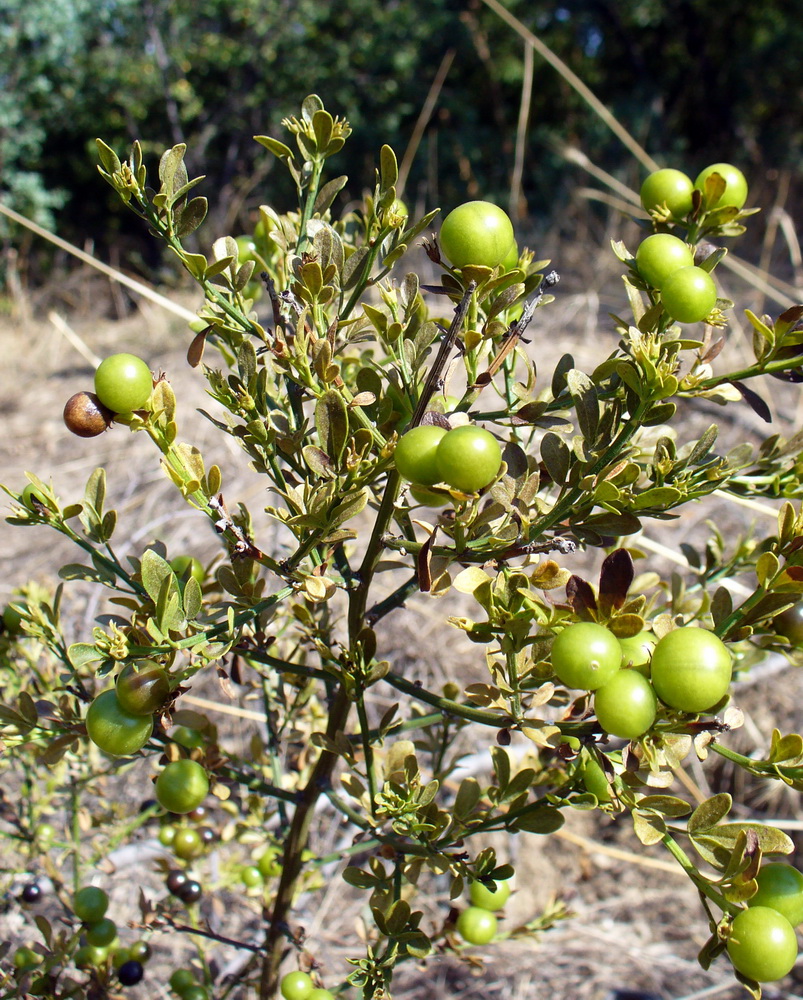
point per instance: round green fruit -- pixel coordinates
(268, 863)
(186, 737)
(142, 687)
(90, 904)
(187, 566)
(101, 933)
(691, 669)
(735, 193)
(195, 992)
(478, 233)
(187, 843)
(689, 294)
(416, 454)
(123, 382)
(30, 494)
(489, 899)
(89, 956)
(251, 877)
(468, 458)
(26, 958)
(660, 255)
(626, 705)
(12, 620)
(114, 730)
(296, 985)
(181, 980)
(637, 651)
(476, 925)
(762, 944)
(670, 188)
(780, 886)
(182, 786)
(585, 656)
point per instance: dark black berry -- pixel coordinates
(190, 892)
(31, 893)
(130, 972)
(175, 882)
(207, 835)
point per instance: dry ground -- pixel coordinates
(636, 924)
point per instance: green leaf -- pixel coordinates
(767, 566)
(95, 492)
(191, 216)
(327, 194)
(332, 423)
(709, 813)
(785, 748)
(657, 497)
(154, 570)
(716, 845)
(501, 764)
(468, 795)
(77, 571)
(277, 148)
(542, 819)
(352, 269)
(388, 168)
(318, 461)
(556, 457)
(397, 916)
(650, 828)
(108, 157)
(416, 943)
(193, 598)
(667, 805)
(348, 507)
(721, 605)
(358, 878)
(81, 653)
(586, 403)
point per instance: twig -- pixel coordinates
(73, 339)
(518, 208)
(123, 279)
(614, 852)
(423, 119)
(575, 82)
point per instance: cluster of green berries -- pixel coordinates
(123, 383)
(100, 932)
(266, 866)
(478, 923)
(665, 262)
(466, 458)
(689, 669)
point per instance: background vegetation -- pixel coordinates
(695, 82)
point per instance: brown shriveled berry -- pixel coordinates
(85, 415)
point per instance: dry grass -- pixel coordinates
(635, 926)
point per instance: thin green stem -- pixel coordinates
(700, 882)
(498, 720)
(368, 750)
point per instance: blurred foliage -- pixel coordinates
(213, 73)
